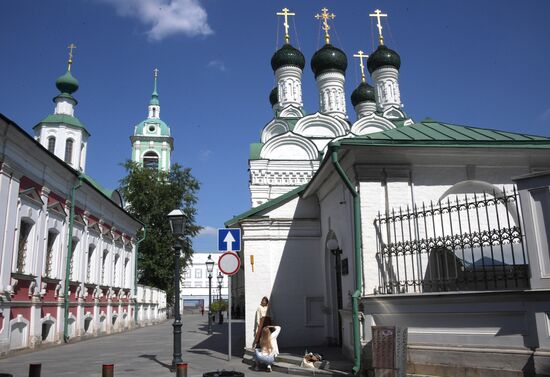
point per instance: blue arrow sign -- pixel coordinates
(229, 239)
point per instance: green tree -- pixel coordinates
(152, 194)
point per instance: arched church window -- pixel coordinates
(52, 235)
(151, 160)
(22, 247)
(51, 144)
(68, 150)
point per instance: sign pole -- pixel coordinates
(229, 317)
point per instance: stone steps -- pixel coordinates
(290, 364)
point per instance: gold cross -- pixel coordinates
(285, 14)
(70, 47)
(325, 16)
(377, 13)
(360, 54)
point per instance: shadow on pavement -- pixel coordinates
(218, 341)
(154, 358)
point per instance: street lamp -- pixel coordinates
(220, 283)
(177, 219)
(209, 268)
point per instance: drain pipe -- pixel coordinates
(135, 274)
(69, 257)
(357, 253)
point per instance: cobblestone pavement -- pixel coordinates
(143, 352)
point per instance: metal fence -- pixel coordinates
(471, 243)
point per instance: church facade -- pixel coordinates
(395, 222)
(67, 246)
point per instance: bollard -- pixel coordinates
(108, 370)
(34, 370)
(181, 370)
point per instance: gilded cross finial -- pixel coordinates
(360, 54)
(325, 16)
(70, 47)
(285, 13)
(378, 14)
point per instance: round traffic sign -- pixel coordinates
(229, 263)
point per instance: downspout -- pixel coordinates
(69, 257)
(135, 275)
(357, 253)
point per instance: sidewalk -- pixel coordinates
(142, 352)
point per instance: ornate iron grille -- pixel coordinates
(472, 243)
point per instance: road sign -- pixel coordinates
(229, 263)
(229, 239)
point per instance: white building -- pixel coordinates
(390, 221)
(194, 287)
(67, 246)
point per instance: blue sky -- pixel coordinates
(482, 63)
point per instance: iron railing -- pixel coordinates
(471, 243)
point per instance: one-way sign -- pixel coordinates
(229, 239)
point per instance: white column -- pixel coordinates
(332, 99)
(289, 86)
(386, 88)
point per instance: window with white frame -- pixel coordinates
(23, 245)
(50, 252)
(187, 274)
(198, 273)
(89, 264)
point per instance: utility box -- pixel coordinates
(389, 351)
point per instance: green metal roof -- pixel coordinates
(432, 133)
(96, 184)
(65, 119)
(140, 127)
(271, 203)
(255, 149)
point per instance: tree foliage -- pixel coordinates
(150, 195)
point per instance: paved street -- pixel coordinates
(143, 352)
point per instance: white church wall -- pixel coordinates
(285, 249)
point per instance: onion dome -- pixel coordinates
(288, 55)
(274, 96)
(363, 93)
(329, 58)
(67, 83)
(383, 56)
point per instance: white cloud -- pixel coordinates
(204, 155)
(217, 64)
(208, 231)
(166, 17)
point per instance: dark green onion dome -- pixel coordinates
(329, 58)
(363, 93)
(383, 56)
(274, 96)
(67, 83)
(288, 55)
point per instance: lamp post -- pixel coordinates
(209, 268)
(177, 219)
(220, 283)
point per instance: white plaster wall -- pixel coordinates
(285, 249)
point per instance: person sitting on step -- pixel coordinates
(268, 348)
